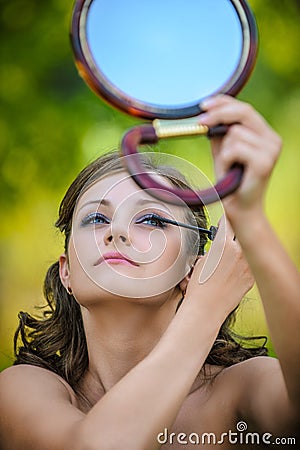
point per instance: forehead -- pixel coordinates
(120, 188)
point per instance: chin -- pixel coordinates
(131, 292)
(127, 283)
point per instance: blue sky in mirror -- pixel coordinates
(165, 52)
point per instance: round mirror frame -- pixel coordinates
(151, 133)
(97, 81)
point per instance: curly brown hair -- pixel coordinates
(57, 341)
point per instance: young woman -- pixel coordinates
(135, 352)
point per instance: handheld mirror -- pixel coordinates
(158, 60)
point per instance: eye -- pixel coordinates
(153, 220)
(95, 219)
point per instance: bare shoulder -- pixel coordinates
(253, 367)
(16, 377)
(34, 403)
(258, 387)
(247, 373)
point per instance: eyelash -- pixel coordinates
(159, 221)
(92, 219)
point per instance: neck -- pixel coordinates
(121, 333)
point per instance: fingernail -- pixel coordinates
(207, 102)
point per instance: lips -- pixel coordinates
(115, 258)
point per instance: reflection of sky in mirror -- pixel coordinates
(165, 52)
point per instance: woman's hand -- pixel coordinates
(222, 277)
(249, 141)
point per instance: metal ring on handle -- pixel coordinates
(146, 134)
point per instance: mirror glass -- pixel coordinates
(161, 55)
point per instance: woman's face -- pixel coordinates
(119, 247)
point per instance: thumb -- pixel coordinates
(211, 260)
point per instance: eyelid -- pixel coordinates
(153, 212)
(160, 222)
(94, 215)
(149, 216)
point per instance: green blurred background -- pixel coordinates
(51, 125)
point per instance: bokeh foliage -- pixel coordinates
(51, 125)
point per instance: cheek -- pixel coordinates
(85, 247)
(86, 286)
(77, 262)
(174, 244)
(179, 257)
(83, 255)
(170, 252)
(148, 246)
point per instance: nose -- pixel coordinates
(117, 234)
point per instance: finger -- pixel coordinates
(230, 156)
(237, 133)
(222, 250)
(224, 223)
(245, 147)
(227, 110)
(258, 162)
(224, 233)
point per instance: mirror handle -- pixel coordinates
(217, 131)
(146, 134)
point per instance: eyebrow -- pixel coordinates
(104, 202)
(99, 202)
(146, 201)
